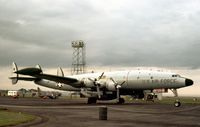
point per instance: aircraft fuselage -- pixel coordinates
(135, 80)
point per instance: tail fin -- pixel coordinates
(39, 67)
(60, 72)
(15, 76)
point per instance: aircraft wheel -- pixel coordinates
(92, 100)
(177, 103)
(121, 101)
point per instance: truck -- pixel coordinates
(13, 93)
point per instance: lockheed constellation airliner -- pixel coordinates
(105, 85)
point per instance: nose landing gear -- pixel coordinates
(177, 103)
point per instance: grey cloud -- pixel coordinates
(136, 33)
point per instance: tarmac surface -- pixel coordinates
(76, 113)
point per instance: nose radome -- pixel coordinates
(188, 82)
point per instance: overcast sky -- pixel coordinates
(117, 33)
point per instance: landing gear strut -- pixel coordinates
(92, 100)
(177, 103)
(121, 101)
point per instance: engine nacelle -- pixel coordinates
(110, 85)
(88, 83)
(104, 83)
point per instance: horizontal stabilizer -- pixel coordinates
(15, 75)
(29, 71)
(37, 73)
(23, 78)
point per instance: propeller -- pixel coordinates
(97, 84)
(117, 86)
(101, 76)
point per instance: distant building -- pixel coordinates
(13, 93)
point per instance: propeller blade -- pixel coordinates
(113, 81)
(117, 86)
(97, 84)
(122, 83)
(118, 96)
(91, 79)
(101, 75)
(98, 91)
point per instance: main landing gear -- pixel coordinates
(120, 101)
(92, 100)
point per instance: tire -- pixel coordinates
(177, 104)
(121, 101)
(92, 100)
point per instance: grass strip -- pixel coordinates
(8, 118)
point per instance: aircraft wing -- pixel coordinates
(66, 80)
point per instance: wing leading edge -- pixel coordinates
(65, 80)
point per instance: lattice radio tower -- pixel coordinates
(78, 58)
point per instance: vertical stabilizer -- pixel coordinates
(14, 76)
(60, 72)
(39, 67)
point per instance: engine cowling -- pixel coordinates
(88, 83)
(103, 83)
(110, 85)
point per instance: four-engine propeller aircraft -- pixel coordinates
(106, 85)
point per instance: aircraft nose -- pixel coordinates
(188, 82)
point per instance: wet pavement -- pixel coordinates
(76, 113)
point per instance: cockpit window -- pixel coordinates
(176, 75)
